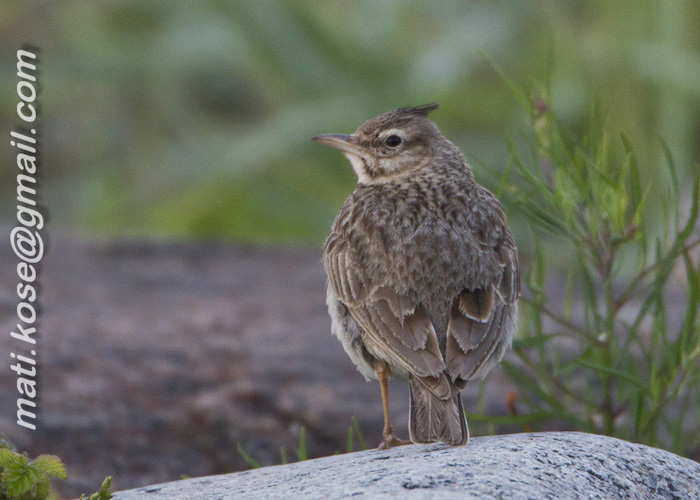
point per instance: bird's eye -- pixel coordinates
(393, 141)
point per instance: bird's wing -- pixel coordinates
(393, 324)
(478, 315)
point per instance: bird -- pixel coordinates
(423, 273)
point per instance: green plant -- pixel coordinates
(24, 479)
(354, 432)
(104, 493)
(251, 461)
(302, 452)
(615, 347)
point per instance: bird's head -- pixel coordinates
(392, 144)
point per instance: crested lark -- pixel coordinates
(422, 270)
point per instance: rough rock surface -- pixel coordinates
(157, 359)
(517, 466)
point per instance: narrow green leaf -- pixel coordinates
(358, 433)
(638, 414)
(283, 456)
(672, 173)
(531, 180)
(301, 450)
(246, 456)
(679, 440)
(637, 216)
(512, 87)
(613, 371)
(569, 293)
(551, 399)
(689, 326)
(530, 342)
(694, 207)
(621, 196)
(349, 448)
(635, 187)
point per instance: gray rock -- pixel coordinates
(517, 466)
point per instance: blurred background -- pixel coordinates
(192, 120)
(186, 122)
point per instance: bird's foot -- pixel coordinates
(390, 440)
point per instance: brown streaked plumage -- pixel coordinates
(422, 270)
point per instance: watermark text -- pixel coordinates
(26, 240)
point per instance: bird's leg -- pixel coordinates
(383, 372)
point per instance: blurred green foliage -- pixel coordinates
(193, 119)
(612, 345)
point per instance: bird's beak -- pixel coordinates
(339, 141)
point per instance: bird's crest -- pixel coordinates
(423, 109)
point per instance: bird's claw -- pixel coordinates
(390, 440)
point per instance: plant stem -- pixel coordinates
(555, 317)
(606, 345)
(624, 296)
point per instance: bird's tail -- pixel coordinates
(433, 419)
